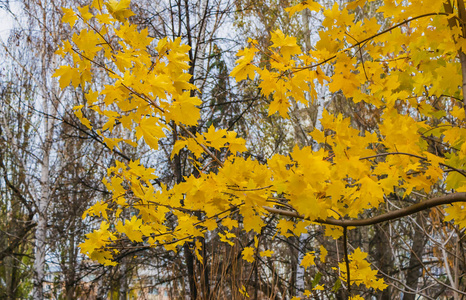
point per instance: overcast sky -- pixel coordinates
(5, 25)
(8, 9)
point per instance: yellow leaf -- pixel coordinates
(184, 110)
(179, 144)
(78, 113)
(119, 9)
(67, 74)
(361, 272)
(248, 254)
(323, 253)
(105, 19)
(85, 14)
(229, 223)
(99, 208)
(69, 16)
(210, 224)
(281, 106)
(235, 144)
(151, 132)
(223, 238)
(266, 253)
(309, 4)
(308, 260)
(112, 142)
(244, 67)
(300, 228)
(355, 4)
(334, 231)
(243, 291)
(457, 212)
(287, 44)
(198, 251)
(285, 227)
(132, 228)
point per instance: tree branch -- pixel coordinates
(393, 215)
(345, 250)
(370, 38)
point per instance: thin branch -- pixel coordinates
(462, 172)
(345, 250)
(372, 37)
(393, 153)
(202, 146)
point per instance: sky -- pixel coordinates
(7, 21)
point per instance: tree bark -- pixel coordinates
(383, 255)
(415, 262)
(41, 229)
(294, 265)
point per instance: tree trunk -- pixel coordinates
(49, 108)
(415, 261)
(123, 289)
(41, 229)
(294, 265)
(383, 255)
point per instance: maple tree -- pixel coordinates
(408, 72)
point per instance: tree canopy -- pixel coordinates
(402, 68)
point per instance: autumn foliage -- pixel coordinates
(405, 71)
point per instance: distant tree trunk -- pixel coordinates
(123, 288)
(11, 265)
(50, 111)
(415, 263)
(189, 260)
(70, 282)
(205, 271)
(300, 272)
(41, 229)
(383, 255)
(293, 241)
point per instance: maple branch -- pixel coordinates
(97, 31)
(462, 172)
(393, 215)
(140, 95)
(372, 37)
(103, 66)
(202, 146)
(360, 54)
(250, 190)
(393, 153)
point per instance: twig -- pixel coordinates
(345, 250)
